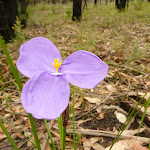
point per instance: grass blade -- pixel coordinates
(16, 76)
(50, 136)
(31, 140)
(8, 136)
(144, 114)
(15, 73)
(74, 138)
(34, 131)
(128, 118)
(61, 132)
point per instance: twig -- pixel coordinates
(94, 106)
(130, 68)
(105, 133)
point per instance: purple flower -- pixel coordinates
(46, 94)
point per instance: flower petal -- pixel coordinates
(45, 96)
(84, 69)
(36, 56)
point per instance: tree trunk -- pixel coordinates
(77, 11)
(85, 4)
(95, 2)
(106, 2)
(121, 4)
(54, 1)
(63, 1)
(8, 13)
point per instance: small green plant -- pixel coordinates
(78, 138)
(68, 13)
(19, 32)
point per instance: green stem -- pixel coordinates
(16, 76)
(64, 137)
(61, 132)
(8, 136)
(74, 142)
(50, 136)
(34, 131)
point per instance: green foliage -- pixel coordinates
(69, 13)
(20, 34)
(78, 138)
(137, 4)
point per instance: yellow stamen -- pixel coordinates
(56, 64)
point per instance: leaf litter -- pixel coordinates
(126, 83)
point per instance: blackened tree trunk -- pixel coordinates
(8, 13)
(85, 4)
(64, 1)
(77, 11)
(54, 1)
(95, 2)
(121, 4)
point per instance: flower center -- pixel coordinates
(56, 64)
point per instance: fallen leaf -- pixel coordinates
(110, 88)
(121, 117)
(125, 145)
(132, 132)
(88, 144)
(93, 100)
(2, 136)
(100, 116)
(97, 146)
(99, 109)
(78, 104)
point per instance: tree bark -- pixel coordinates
(85, 4)
(77, 11)
(8, 13)
(95, 2)
(121, 4)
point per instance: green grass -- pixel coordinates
(123, 32)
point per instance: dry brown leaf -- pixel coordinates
(142, 94)
(2, 136)
(110, 88)
(132, 132)
(138, 147)
(78, 104)
(88, 144)
(93, 100)
(100, 116)
(120, 117)
(148, 83)
(125, 144)
(97, 146)
(99, 109)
